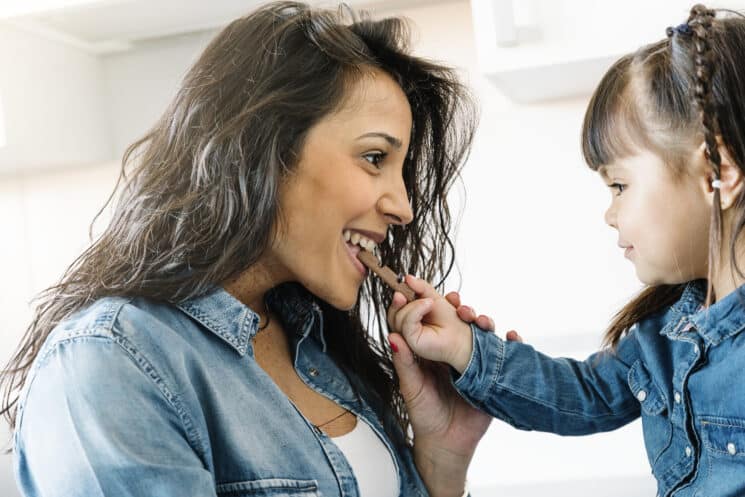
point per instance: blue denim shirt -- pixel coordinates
(130, 397)
(682, 370)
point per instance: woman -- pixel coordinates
(212, 341)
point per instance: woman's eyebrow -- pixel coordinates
(390, 139)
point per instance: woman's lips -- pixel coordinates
(627, 252)
(353, 250)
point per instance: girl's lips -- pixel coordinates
(627, 252)
(353, 250)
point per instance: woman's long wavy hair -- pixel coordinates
(669, 97)
(221, 150)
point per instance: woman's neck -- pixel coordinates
(250, 286)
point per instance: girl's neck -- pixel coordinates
(726, 280)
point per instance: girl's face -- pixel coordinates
(349, 179)
(662, 221)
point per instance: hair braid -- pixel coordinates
(700, 22)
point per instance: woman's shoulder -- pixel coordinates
(128, 345)
(114, 318)
(145, 332)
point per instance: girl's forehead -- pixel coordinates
(640, 161)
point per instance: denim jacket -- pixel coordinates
(131, 397)
(682, 370)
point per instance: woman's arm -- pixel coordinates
(446, 428)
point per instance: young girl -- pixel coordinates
(666, 131)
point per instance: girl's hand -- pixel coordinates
(431, 326)
(446, 427)
(468, 315)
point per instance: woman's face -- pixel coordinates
(349, 179)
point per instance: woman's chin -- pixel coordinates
(343, 299)
(345, 302)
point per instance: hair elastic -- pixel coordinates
(682, 29)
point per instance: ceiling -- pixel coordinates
(102, 26)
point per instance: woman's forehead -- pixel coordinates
(374, 103)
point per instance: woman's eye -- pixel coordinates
(618, 187)
(374, 158)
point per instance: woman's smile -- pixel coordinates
(354, 241)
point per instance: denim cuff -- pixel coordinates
(483, 369)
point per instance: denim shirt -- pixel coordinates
(682, 370)
(131, 397)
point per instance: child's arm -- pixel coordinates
(511, 380)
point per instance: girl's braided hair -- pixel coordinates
(666, 97)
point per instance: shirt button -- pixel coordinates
(688, 452)
(731, 448)
(642, 395)
(677, 397)
(313, 372)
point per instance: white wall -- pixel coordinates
(533, 250)
(44, 219)
(53, 95)
(141, 82)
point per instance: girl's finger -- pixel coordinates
(398, 301)
(408, 321)
(421, 287)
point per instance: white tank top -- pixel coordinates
(371, 462)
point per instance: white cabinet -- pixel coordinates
(535, 50)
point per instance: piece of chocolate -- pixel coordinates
(385, 273)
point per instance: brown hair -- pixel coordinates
(218, 154)
(667, 97)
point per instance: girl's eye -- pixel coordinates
(374, 158)
(618, 187)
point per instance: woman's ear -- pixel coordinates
(731, 177)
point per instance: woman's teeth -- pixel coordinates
(357, 239)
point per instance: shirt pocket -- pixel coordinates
(723, 441)
(724, 437)
(655, 423)
(274, 487)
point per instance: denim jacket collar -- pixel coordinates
(714, 324)
(237, 324)
(689, 303)
(723, 319)
(298, 310)
(225, 316)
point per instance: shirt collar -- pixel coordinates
(225, 316)
(723, 319)
(236, 323)
(298, 310)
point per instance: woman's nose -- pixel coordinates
(395, 205)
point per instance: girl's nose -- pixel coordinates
(610, 217)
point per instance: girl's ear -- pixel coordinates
(731, 176)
